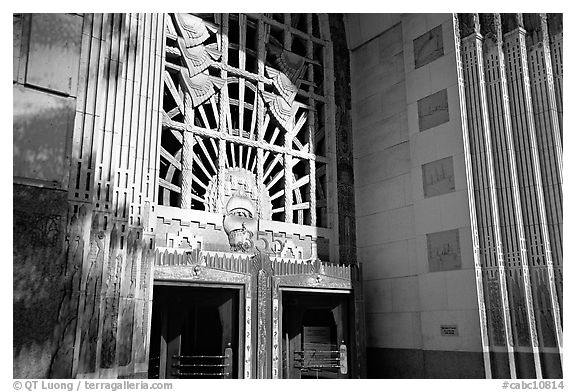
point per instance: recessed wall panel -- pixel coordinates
(433, 110)
(428, 47)
(54, 53)
(438, 177)
(41, 124)
(443, 250)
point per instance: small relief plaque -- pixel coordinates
(449, 330)
(438, 177)
(433, 110)
(428, 47)
(443, 250)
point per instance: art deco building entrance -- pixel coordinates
(194, 332)
(314, 333)
(248, 201)
(251, 316)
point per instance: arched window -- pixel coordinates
(244, 112)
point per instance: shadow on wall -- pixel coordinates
(39, 290)
(45, 107)
(395, 363)
(41, 124)
(49, 242)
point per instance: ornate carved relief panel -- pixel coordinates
(243, 112)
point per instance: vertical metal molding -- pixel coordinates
(536, 102)
(514, 218)
(529, 127)
(115, 135)
(513, 151)
(471, 199)
(478, 83)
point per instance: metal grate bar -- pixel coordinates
(316, 352)
(201, 374)
(198, 365)
(319, 367)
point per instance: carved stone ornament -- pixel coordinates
(285, 69)
(240, 223)
(202, 86)
(290, 64)
(238, 180)
(198, 58)
(285, 87)
(194, 30)
(281, 110)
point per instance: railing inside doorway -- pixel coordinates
(322, 361)
(203, 366)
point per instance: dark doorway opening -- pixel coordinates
(195, 332)
(314, 335)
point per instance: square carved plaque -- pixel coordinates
(438, 177)
(433, 110)
(443, 250)
(428, 47)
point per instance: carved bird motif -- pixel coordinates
(193, 29)
(281, 110)
(202, 86)
(291, 64)
(283, 84)
(198, 58)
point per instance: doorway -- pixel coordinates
(194, 332)
(314, 335)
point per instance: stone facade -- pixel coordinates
(457, 130)
(408, 164)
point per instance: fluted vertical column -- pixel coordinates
(485, 127)
(507, 145)
(551, 90)
(541, 216)
(552, 40)
(512, 134)
(472, 200)
(115, 159)
(549, 148)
